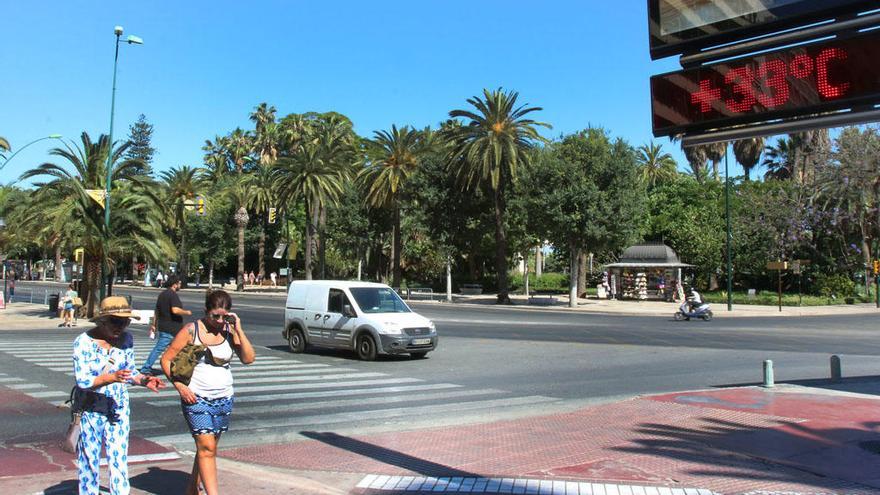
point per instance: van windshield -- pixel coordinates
(378, 300)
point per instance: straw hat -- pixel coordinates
(115, 306)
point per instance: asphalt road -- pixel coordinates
(517, 361)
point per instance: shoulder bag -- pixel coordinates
(184, 363)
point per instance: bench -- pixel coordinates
(471, 289)
(542, 297)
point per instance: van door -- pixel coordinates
(316, 306)
(337, 326)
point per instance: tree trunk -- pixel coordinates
(501, 248)
(88, 289)
(582, 274)
(183, 257)
(59, 270)
(539, 261)
(211, 274)
(526, 273)
(869, 269)
(261, 254)
(573, 277)
(134, 270)
(322, 242)
(395, 249)
(310, 234)
(239, 279)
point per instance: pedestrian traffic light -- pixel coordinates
(272, 215)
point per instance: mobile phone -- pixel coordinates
(229, 319)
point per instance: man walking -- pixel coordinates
(168, 321)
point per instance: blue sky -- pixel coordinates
(205, 65)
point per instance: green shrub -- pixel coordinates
(555, 282)
(835, 285)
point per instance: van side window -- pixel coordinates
(336, 301)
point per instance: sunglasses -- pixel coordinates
(118, 322)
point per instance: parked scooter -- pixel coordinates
(694, 307)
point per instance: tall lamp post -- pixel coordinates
(131, 40)
(727, 237)
(50, 136)
(3, 227)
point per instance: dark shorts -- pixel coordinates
(208, 415)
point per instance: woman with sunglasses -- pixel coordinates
(207, 400)
(103, 364)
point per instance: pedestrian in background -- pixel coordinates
(167, 321)
(207, 400)
(252, 279)
(273, 276)
(103, 365)
(69, 310)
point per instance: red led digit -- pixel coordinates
(706, 96)
(742, 79)
(826, 89)
(773, 72)
(801, 66)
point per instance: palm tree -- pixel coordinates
(216, 159)
(657, 165)
(181, 185)
(263, 184)
(238, 146)
(392, 157)
(239, 192)
(748, 153)
(487, 151)
(715, 153)
(77, 214)
(314, 173)
(4, 145)
(267, 133)
(779, 160)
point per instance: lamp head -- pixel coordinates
(55, 136)
(134, 40)
(117, 30)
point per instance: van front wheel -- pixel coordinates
(296, 341)
(366, 347)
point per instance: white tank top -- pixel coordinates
(212, 378)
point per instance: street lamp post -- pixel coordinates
(727, 237)
(3, 227)
(50, 136)
(131, 40)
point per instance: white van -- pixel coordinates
(365, 317)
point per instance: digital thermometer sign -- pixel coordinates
(787, 83)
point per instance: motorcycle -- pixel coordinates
(689, 310)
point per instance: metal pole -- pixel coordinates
(768, 374)
(287, 236)
(448, 279)
(779, 274)
(109, 178)
(727, 214)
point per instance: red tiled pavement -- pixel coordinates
(730, 441)
(36, 453)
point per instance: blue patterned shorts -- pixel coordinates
(208, 415)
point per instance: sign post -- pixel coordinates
(779, 266)
(877, 281)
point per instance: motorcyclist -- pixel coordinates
(695, 300)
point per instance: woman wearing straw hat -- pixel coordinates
(103, 364)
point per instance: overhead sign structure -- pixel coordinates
(681, 26)
(806, 79)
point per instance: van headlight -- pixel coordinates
(391, 329)
(432, 327)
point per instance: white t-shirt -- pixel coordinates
(212, 379)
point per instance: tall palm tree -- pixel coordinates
(238, 146)
(216, 159)
(263, 183)
(181, 184)
(715, 153)
(487, 151)
(239, 192)
(262, 115)
(779, 160)
(314, 172)
(267, 134)
(657, 165)
(392, 158)
(81, 216)
(748, 153)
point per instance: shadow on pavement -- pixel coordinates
(387, 456)
(67, 487)
(868, 385)
(793, 453)
(161, 481)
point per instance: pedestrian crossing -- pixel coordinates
(280, 392)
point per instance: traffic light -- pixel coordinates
(200, 206)
(78, 255)
(876, 267)
(272, 215)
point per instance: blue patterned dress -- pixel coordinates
(89, 361)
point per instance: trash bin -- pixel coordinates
(53, 303)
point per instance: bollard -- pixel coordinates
(45, 297)
(768, 374)
(836, 373)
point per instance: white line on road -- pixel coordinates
(289, 386)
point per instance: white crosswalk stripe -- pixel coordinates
(274, 393)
